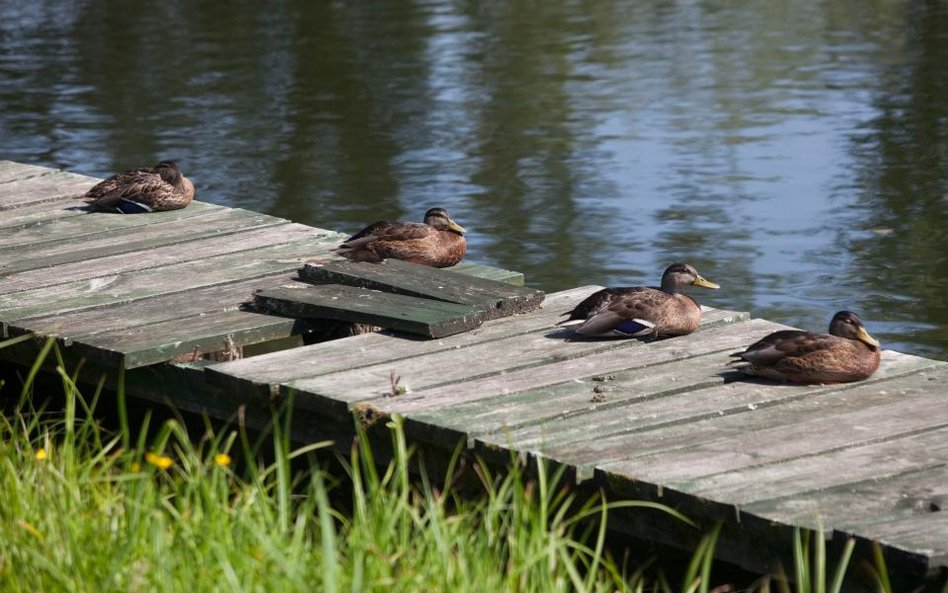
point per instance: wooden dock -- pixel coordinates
(664, 421)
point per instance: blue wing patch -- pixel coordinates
(632, 327)
(127, 206)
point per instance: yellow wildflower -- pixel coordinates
(222, 459)
(41, 454)
(162, 461)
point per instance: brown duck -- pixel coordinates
(642, 311)
(847, 353)
(437, 242)
(142, 190)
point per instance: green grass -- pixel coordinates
(140, 509)
(84, 509)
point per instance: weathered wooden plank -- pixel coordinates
(603, 380)
(832, 469)
(13, 171)
(495, 299)
(197, 301)
(369, 349)
(209, 299)
(159, 342)
(447, 367)
(215, 223)
(812, 434)
(489, 273)
(916, 493)
(261, 374)
(571, 434)
(107, 269)
(139, 284)
(424, 317)
(91, 223)
(42, 213)
(455, 366)
(178, 385)
(47, 186)
(922, 535)
(783, 400)
(490, 423)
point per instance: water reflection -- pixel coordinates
(794, 152)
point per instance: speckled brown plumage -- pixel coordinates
(847, 353)
(438, 241)
(642, 311)
(142, 190)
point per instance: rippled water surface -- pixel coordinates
(794, 152)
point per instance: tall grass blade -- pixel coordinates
(709, 557)
(882, 573)
(841, 567)
(819, 562)
(122, 408)
(34, 369)
(330, 572)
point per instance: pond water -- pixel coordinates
(795, 152)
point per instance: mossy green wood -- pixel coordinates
(93, 223)
(213, 224)
(495, 299)
(271, 370)
(489, 273)
(153, 330)
(107, 268)
(212, 332)
(452, 364)
(209, 299)
(426, 317)
(181, 385)
(197, 301)
(116, 288)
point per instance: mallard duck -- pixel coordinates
(847, 353)
(437, 242)
(642, 311)
(142, 190)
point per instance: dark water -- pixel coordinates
(795, 152)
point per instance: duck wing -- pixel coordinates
(625, 311)
(784, 344)
(140, 186)
(388, 231)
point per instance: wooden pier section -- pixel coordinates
(664, 421)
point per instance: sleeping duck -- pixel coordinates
(438, 241)
(847, 353)
(142, 190)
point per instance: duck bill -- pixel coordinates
(699, 281)
(863, 336)
(455, 227)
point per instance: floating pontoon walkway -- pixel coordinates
(664, 421)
